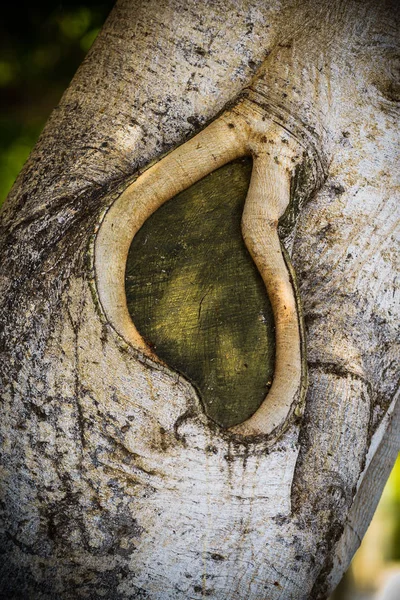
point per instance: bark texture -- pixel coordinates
(114, 482)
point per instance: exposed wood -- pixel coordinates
(196, 296)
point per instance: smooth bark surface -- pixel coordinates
(114, 482)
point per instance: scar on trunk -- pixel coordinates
(197, 298)
(241, 132)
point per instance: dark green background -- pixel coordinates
(41, 45)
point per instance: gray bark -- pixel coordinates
(114, 483)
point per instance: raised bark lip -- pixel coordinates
(243, 130)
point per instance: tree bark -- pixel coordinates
(114, 481)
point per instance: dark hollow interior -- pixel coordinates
(197, 298)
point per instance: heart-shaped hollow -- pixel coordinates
(240, 132)
(197, 298)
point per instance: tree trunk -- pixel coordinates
(115, 482)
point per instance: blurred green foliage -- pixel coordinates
(392, 502)
(40, 50)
